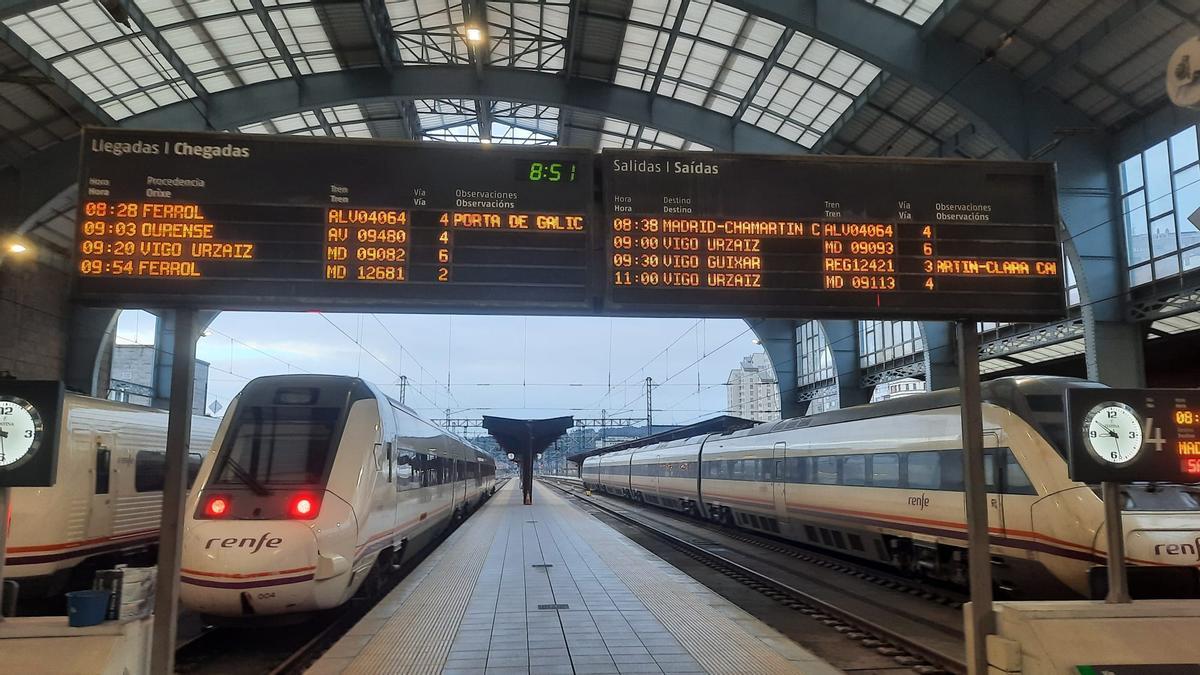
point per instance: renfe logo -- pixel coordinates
(1192, 549)
(255, 545)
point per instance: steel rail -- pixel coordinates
(933, 656)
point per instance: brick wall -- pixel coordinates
(34, 316)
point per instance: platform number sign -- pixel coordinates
(29, 415)
(1125, 435)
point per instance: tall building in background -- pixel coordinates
(133, 377)
(752, 389)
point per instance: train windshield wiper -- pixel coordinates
(244, 476)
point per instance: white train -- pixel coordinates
(884, 482)
(106, 503)
(315, 485)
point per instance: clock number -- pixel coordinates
(1112, 414)
(29, 433)
(1133, 434)
(1092, 433)
(1114, 456)
(6, 410)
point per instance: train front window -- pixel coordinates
(279, 445)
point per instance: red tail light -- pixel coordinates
(304, 507)
(217, 507)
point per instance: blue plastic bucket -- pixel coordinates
(87, 608)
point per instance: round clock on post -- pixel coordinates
(1112, 432)
(21, 430)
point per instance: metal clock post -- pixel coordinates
(5, 494)
(1118, 579)
(170, 541)
(980, 620)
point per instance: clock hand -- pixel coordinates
(1110, 431)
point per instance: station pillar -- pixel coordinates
(842, 338)
(941, 368)
(778, 340)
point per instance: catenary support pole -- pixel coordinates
(979, 617)
(170, 541)
(1118, 579)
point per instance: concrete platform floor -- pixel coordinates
(548, 589)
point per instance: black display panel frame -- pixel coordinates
(279, 195)
(1161, 457)
(849, 183)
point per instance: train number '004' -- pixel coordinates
(267, 595)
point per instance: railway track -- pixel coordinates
(291, 649)
(917, 629)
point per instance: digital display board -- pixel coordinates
(1128, 435)
(706, 234)
(246, 221)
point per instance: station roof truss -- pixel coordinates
(987, 79)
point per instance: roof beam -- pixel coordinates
(380, 23)
(48, 71)
(1121, 15)
(564, 129)
(276, 39)
(151, 32)
(772, 59)
(475, 16)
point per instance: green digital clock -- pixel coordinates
(547, 171)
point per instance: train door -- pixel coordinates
(779, 480)
(991, 475)
(101, 450)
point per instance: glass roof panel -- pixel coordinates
(619, 134)
(1181, 323)
(720, 52)
(917, 11)
(114, 65)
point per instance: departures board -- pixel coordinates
(709, 234)
(238, 221)
(243, 221)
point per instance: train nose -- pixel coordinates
(1164, 546)
(248, 568)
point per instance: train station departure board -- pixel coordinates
(703, 234)
(244, 221)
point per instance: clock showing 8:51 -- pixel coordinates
(1112, 432)
(20, 430)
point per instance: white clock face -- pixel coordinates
(1113, 432)
(20, 429)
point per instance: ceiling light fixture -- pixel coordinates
(474, 34)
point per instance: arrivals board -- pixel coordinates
(706, 234)
(245, 221)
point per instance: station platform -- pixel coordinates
(549, 589)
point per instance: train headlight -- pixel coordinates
(217, 506)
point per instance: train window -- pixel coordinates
(826, 470)
(149, 471)
(854, 470)
(1014, 480)
(924, 470)
(885, 470)
(952, 470)
(403, 462)
(103, 461)
(279, 445)
(797, 469)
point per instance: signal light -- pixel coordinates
(304, 507)
(217, 507)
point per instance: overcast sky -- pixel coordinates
(508, 366)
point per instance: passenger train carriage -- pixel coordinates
(316, 485)
(884, 482)
(106, 503)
